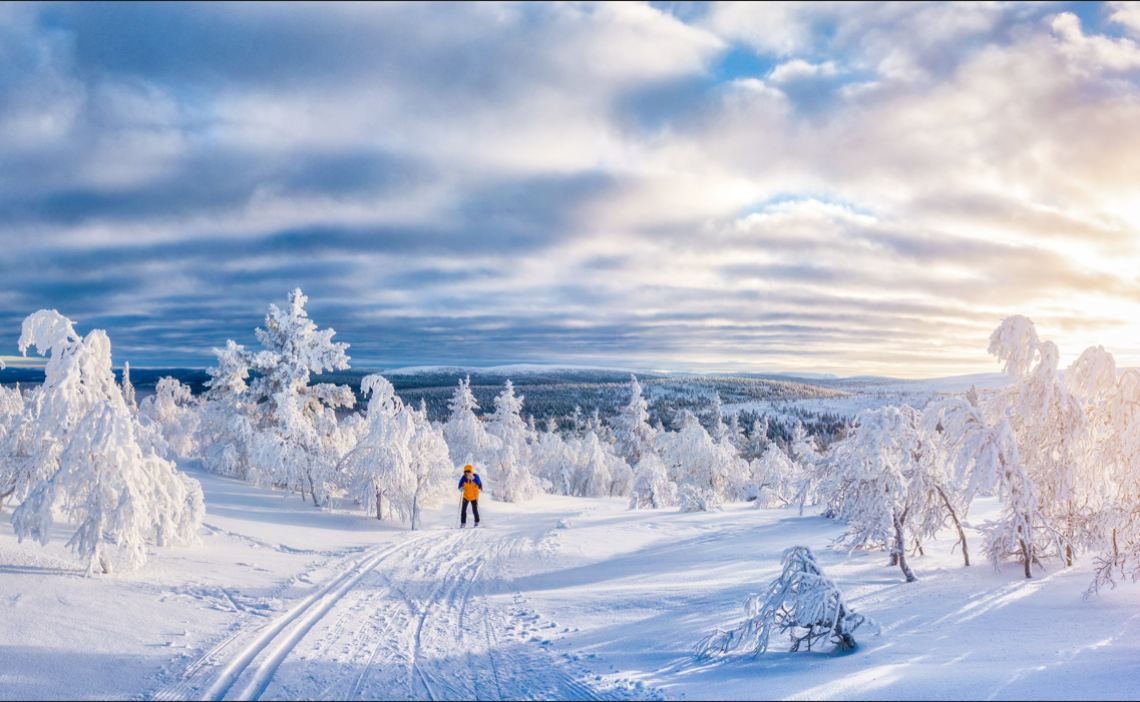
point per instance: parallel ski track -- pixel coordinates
(280, 631)
(420, 631)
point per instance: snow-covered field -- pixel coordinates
(559, 597)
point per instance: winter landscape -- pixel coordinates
(569, 351)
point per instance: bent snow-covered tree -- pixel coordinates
(87, 463)
(803, 602)
(1026, 442)
(886, 484)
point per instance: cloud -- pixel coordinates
(798, 69)
(574, 183)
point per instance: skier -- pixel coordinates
(470, 485)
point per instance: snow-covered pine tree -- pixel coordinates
(803, 602)
(592, 466)
(632, 433)
(226, 433)
(813, 466)
(467, 438)
(758, 440)
(736, 434)
(431, 469)
(297, 421)
(87, 463)
(719, 431)
(510, 478)
(128, 389)
(553, 460)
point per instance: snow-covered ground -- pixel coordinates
(559, 597)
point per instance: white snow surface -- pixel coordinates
(555, 598)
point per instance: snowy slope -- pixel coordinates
(562, 598)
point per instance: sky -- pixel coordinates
(849, 188)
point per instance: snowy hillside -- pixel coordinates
(558, 598)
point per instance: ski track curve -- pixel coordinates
(431, 623)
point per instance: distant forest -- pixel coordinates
(567, 396)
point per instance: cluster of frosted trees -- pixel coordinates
(1058, 449)
(263, 420)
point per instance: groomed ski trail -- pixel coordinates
(424, 618)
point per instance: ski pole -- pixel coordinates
(460, 510)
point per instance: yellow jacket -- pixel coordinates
(470, 485)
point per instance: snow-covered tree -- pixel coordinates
(803, 602)
(15, 440)
(176, 411)
(467, 438)
(554, 460)
(511, 479)
(632, 433)
(297, 442)
(758, 441)
(776, 478)
(705, 471)
(226, 433)
(1113, 527)
(87, 463)
(652, 488)
(813, 466)
(401, 456)
(886, 484)
(593, 467)
(128, 389)
(1026, 443)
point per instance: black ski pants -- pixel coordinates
(474, 510)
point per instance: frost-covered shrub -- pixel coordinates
(696, 498)
(803, 602)
(176, 411)
(87, 463)
(775, 476)
(651, 486)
